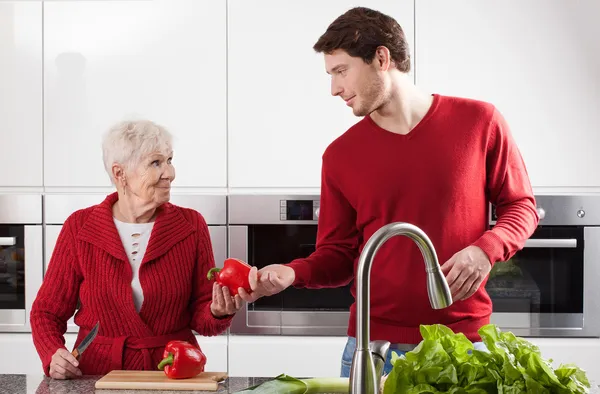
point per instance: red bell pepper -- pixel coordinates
(233, 275)
(182, 360)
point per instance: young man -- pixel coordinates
(430, 160)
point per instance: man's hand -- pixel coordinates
(465, 271)
(270, 280)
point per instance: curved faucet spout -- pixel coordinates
(364, 378)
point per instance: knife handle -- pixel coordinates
(75, 354)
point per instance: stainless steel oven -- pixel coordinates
(549, 288)
(552, 286)
(275, 229)
(213, 208)
(21, 259)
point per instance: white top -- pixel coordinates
(135, 237)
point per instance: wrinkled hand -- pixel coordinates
(223, 304)
(64, 365)
(267, 281)
(465, 271)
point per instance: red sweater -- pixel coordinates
(89, 263)
(440, 177)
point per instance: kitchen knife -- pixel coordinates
(86, 341)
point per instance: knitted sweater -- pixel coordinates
(440, 177)
(89, 264)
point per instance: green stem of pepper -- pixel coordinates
(166, 361)
(212, 272)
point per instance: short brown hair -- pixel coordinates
(360, 31)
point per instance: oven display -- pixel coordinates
(299, 210)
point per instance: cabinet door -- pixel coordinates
(295, 356)
(281, 112)
(21, 93)
(106, 61)
(538, 62)
(25, 361)
(215, 349)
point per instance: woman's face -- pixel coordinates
(150, 181)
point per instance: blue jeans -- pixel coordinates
(387, 368)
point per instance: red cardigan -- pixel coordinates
(89, 263)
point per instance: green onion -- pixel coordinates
(288, 384)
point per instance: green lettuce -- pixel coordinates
(445, 362)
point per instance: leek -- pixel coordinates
(288, 384)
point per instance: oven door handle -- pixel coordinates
(551, 243)
(8, 241)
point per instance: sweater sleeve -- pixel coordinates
(510, 190)
(332, 262)
(203, 321)
(56, 299)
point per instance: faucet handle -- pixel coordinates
(380, 350)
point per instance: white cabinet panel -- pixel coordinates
(537, 61)
(24, 358)
(260, 356)
(106, 61)
(580, 351)
(21, 93)
(215, 350)
(281, 113)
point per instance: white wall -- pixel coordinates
(248, 102)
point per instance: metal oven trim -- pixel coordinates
(557, 210)
(246, 321)
(58, 207)
(213, 207)
(25, 210)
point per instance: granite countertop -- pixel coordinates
(37, 384)
(34, 384)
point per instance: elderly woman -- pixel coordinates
(137, 263)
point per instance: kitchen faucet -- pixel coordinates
(369, 357)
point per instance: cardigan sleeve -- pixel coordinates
(203, 321)
(56, 299)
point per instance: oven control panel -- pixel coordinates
(541, 212)
(302, 210)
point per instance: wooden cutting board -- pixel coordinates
(157, 380)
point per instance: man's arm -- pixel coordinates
(332, 263)
(509, 189)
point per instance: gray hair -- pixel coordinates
(127, 142)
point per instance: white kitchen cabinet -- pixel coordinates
(215, 350)
(23, 357)
(281, 113)
(21, 94)
(107, 61)
(537, 61)
(580, 351)
(264, 356)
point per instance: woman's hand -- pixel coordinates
(223, 304)
(64, 365)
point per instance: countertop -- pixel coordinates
(34, 384)
(38, 384)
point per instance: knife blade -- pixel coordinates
(89, 338)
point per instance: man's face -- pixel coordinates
(359, 84)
